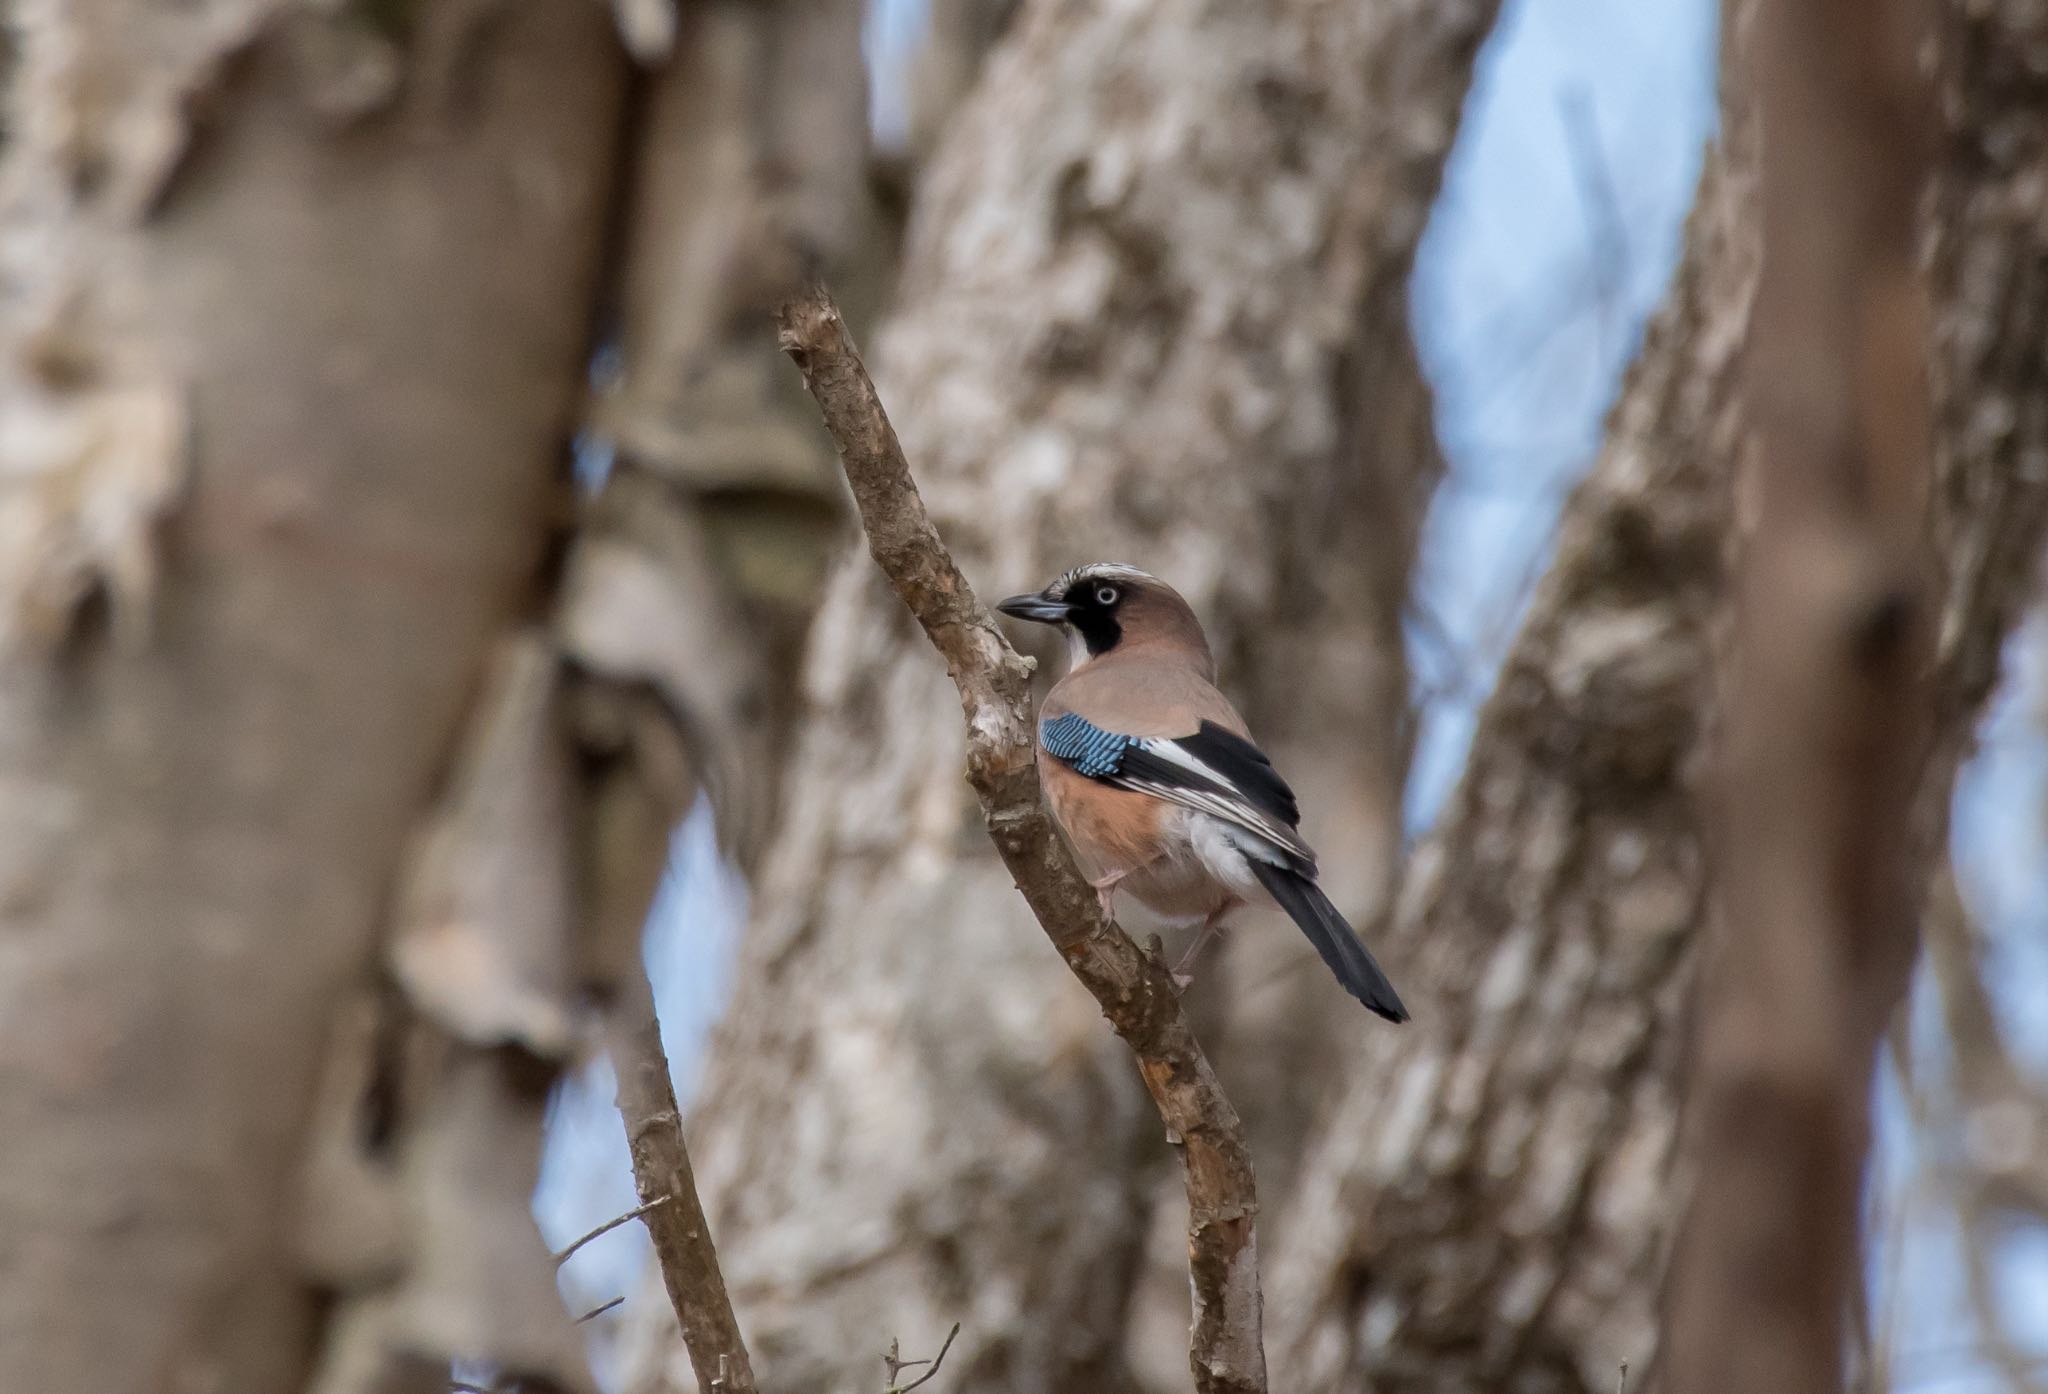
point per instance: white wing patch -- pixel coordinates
(1218, 801)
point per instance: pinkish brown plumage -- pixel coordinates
(1152, 776)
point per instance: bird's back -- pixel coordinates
(1142, 694)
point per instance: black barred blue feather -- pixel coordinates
(1088, 748)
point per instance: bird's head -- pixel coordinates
(1106, 605)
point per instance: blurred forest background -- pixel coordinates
(419, 569)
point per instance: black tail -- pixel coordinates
(1306, 904)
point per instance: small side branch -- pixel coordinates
(897, 1367)
(669, 1206)
(1134, 989)
(569, 1250)
(600, 1309)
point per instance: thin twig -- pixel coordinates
(1134, 989)
(897, 1367)
(606, 1228)
(596, 1312)
(661, 1169)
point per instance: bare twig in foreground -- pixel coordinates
(668, 1196)
(1818, 875)
(601, 1308)
(568, 1251)
(1135, 990)
(897, 1367)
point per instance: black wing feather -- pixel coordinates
(1246, 766)
(1246, 791)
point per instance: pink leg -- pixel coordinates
(1208, 931)
(1105, 892)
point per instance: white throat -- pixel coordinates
(1077, 648)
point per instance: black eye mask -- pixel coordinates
(1094, 621)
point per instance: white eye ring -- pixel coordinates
(1105, 595)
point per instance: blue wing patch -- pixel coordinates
(1089, 749)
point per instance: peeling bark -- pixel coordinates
(363, 269)
(723, 484)
(441, 1116)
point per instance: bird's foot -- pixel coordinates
(1105, 892)
(1183, 971)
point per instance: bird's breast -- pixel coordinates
(1112, 829)
(1165, 865)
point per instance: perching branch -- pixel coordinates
(669, 1206)
(1134, 988)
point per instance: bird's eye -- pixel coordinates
(1105, 595)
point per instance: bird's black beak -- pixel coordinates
(1036, 608)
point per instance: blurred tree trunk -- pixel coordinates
(722, 494)
(1489, 1204)
(1152, 307)
(1815, 885)
(297, 307)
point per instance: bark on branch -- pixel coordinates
(669, 1206)
(1134, 988)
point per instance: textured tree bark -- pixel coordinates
(1990, 274)
(1504, 1173)
(1136, 288)
(683, 1244)
(1482, 1203)
(288, 390)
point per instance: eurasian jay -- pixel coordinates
(1150, 773)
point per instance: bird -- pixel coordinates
(1152, 777)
